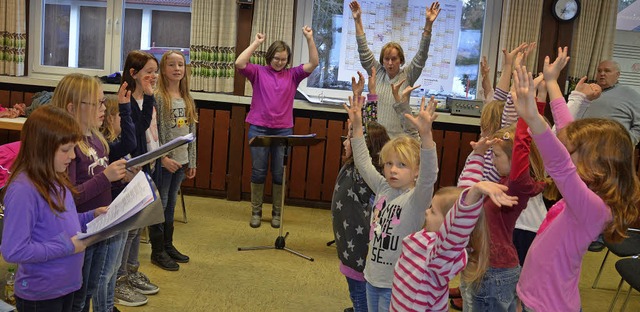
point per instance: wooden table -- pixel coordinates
(12, 123)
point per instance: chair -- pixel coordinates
(184, 207)
(630, 246)
(629, 270)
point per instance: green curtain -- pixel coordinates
(13, 37)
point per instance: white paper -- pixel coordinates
(160, 151)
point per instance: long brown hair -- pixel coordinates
(136, 60)
(46, 129)
(604, 161)
(163, 92)
(112, 109)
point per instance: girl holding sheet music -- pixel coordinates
(177, 116)
(41, 222)
(91, 174)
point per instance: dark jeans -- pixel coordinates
(358, 294)
(260, 155)
(60, 304)
(94, 260)
(522, 239)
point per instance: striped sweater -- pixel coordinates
(430, 260)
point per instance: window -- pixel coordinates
(456, 47)
(94, 36)
(628, 12)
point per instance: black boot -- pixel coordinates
(168, 245)
(159, 256)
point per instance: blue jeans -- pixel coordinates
(260, 155)
(130, 253)
(496, 291)
(60, 304)
(169, 187)
(378, 299)
(358, 294)
(103, 298)
(94, 259)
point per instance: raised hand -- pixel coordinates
(495, 191)
(355, 114)
(425, 117)
(356, 11)
(406, 93)
(260, 38)
(541, 87)
(148, 82)
(124, 95)
(510, 56)
(525, 102)
(357, 86)
(372, 80)
(591, 90)
(552, 70)
(307, 32)
(432, 12)
(484, 68)
(483, 145)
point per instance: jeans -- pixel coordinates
(60, 304)
(496, 291)
(103, 300)
(260, 155)
(378, 299)
(94, 259)
(130, 253)
(358, 294)
(169, 187)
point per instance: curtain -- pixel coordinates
(13, 37)
(273, 18)
(213, 45)
(593, 38)
(522, 22)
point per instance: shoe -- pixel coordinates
(275, 221)
(596, 246)
(127, 296)
(256, 219)
(163, 261)
(176, 255)
(141, 283)
(455, 293)
(456, 303)
(349, 309)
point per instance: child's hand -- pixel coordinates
(591, 90)
(124, 95)
(100, 211)
(495, 191)
(509, 57)
(170, 164)
(426, 116)
(552, 71)
(78, 245)
(524, 96)
(483, 145)
(259, 38)
(433, 11)
(148, 82)
(484, 68)
(372, 81)
(307, 32)
(191, 173)
(357, 87)
(116, 170)
(356, 11)
(541, 87)
(355, 114)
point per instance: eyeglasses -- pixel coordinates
(101, 102)
(280, 60)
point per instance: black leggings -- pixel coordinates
(60, 304)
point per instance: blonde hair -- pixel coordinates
(406, 148)
(477, 252)
(491, 117)
(163, 92)
(388, 46)
(507, 136)
(72, 89)
(605, 162)
(112, 109)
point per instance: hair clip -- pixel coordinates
(506, 136)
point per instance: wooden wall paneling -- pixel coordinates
(237, 150)
(205, 148)
(315, 166)
(220, 149)
(16, 97)
(5, 98)
(28, 98)
(298, 160)
(246, 163)
(245, 21)
(438, 138)
(449, 162)
(332, 158)
(465, 150)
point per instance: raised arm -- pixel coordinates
(424, 121)
(356, 12)
(313, 51)
(415, 67)
(245, 57)
(402, 107)
(487, 85)
(507, 66)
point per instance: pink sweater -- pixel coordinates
(430, 260)
(551, 271)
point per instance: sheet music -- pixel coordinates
(133, 198)
(160, 151)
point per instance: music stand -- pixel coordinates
(287, 142)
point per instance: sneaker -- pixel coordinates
(141, 283)
(127, 296)
(163, 261)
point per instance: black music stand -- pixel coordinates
(286, 142)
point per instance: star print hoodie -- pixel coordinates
(395, 214)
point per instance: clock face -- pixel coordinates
(566, 9)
